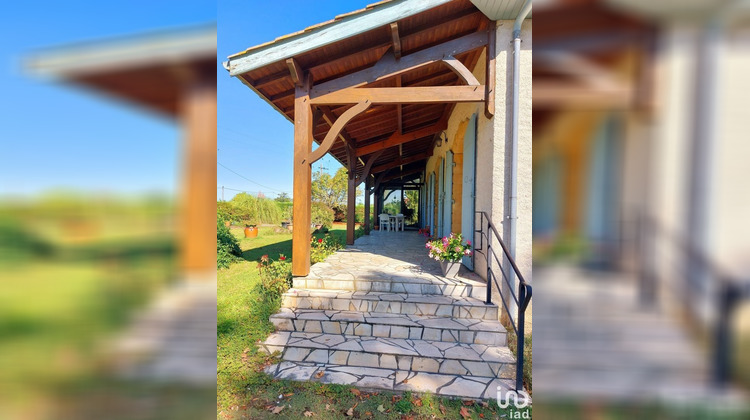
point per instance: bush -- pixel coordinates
(339, 213)
(251, 210)
(321, 215)
(275, 277)
(227, 247)
(321, 248)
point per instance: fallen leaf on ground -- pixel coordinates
(464, 413)
(368, 413)
(350, 412)
(485, 404)
(278, 409)
(406, 381)
(481, 416)
(468, 402)
(418, 402)
(319, 374)
(289, 394)
(381, 408)
(442, 409)
(356, 392)
(308, 413)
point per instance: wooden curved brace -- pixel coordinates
(461, 70)
(368, 166)
(336, 128)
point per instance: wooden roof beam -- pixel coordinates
(389, 66)
(403, 95)
(401, 162)
(295, 70)
(396, 40)
(401, 174)
(395, 139)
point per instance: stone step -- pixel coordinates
(376, 379)
(416, 327)
(407, 283)
(393, 353)
(396, 303)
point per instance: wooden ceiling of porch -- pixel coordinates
(414, 33)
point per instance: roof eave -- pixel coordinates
(321, 35)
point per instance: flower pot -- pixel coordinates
(251, 231)
(285, 224)
(450, 268)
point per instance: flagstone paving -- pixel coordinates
(379, 315)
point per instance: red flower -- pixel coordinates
(282, 257)
(320, 240)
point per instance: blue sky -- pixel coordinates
(254, 140)
(57, 136)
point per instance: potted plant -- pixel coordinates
(251, 231)
(448, 251)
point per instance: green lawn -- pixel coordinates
(244, 391)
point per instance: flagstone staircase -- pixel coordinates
(378, 315)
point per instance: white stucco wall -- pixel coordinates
(494, 146)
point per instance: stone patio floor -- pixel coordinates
(379, 315)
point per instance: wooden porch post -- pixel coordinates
(367, 206)
(351, 202)
(198, 254)
(303, 128)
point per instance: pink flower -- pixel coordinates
(468, 243)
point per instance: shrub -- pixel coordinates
(227, 246)
(275, 277)
(321, 215)
(253, 210)
(321, 248)
(339, 213)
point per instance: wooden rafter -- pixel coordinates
(401, 174)
(295, 71)
(333, 133)
(399, 110)
(388, 66)
(395, 139)
(402, 95)
(401, 162)
(396, 40)
(489, 79)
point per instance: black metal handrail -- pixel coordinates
(523, 298)
(729, 291)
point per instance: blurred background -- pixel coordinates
(107, 178)
(641, 251)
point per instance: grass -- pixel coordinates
(244, 391)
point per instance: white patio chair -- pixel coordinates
(385, 221)
(400, 222)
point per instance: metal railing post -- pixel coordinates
(521, 317)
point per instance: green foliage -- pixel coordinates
(321, 248)
(331, 190)
(404, 405)
(246, 209)
(339, 212)
(227, 246)
(283, 198)
(275, 277)
(321, 215)
(285, 207)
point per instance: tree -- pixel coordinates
(283, 198)
(331, 190)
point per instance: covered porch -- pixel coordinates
(376, 89)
